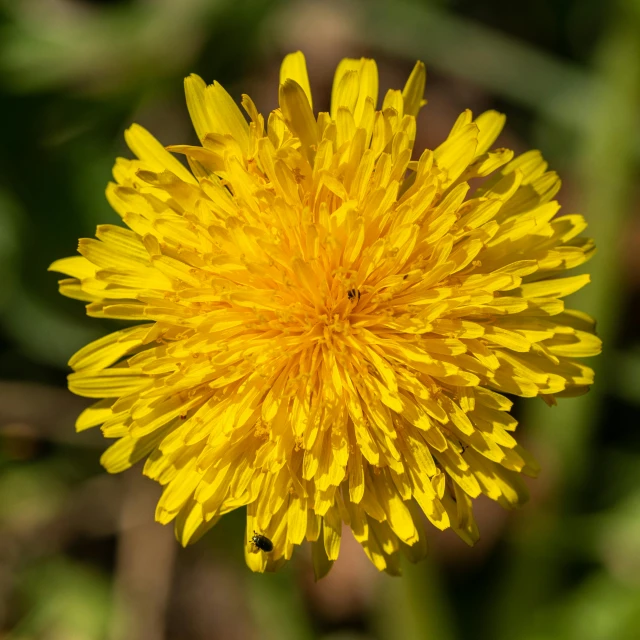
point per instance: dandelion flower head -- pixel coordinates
(326, 319)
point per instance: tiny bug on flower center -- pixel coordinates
(260, 542)
(352, 294)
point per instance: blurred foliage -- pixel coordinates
(80, 558)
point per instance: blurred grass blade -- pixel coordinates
(414, 607)
(42, 332)
(626, 367)
(606, 175)
(277, 608)
(508, 67)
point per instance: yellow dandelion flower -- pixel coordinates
(328, 326)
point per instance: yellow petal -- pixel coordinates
(76, 266)
(110, 383)
(413, 92)
(150, 151)
(556, 288)
(191, 525)
(203, 122)
(346, 89)
(298, 115)
(127, 451)
(455, 154)
(104, 352)
(294, 67)
(490, 124)
(321, 563)
(345, 66)
(368, 91)
(94, 415)
(227, 116)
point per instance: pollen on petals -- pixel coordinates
(326, 320)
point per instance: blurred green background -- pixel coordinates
(80, 555)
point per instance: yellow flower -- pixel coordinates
(328, 325)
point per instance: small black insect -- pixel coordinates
(352, 294)
(261, 543)
(463, 448)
